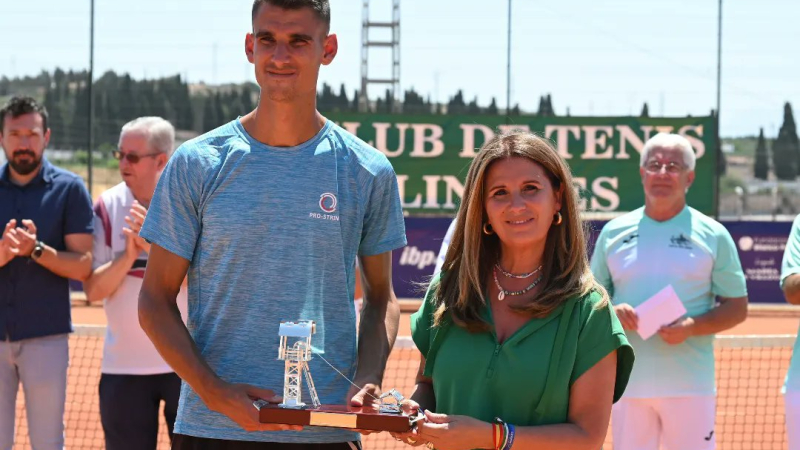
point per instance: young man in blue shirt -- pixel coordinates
(267, 213)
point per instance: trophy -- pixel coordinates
(295, 349)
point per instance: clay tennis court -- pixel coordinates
(749, 413)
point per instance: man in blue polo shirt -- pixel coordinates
(46, 215)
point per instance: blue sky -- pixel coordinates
(597, 58)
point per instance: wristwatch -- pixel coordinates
(38, 249)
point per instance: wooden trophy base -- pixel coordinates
(337, 416)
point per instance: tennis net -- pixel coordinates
(750, 372)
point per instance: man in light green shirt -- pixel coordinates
(670, 400)
(790, 282)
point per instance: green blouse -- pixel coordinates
(526, 380)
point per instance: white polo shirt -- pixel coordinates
(127, 348)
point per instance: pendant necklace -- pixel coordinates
(502, 294)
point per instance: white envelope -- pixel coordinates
(661, 309)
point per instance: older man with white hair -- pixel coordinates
(670, 400)
(135, 379)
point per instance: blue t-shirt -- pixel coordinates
(272, 234)
(791, 266)
(635, 257)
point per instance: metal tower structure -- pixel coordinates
(367, 43)
(295, 349)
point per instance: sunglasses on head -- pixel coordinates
(131, 157)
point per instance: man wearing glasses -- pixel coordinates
(47, 239)
(670, 400)
(134, 377)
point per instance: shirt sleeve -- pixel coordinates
(79, 215)
(384, 227)
(727, 278)
(601, 333)
(173, 219)
(102, 253)
(599, 263)
(791, 256)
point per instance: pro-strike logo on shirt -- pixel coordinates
(327, 203)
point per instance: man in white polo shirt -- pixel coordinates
(790, 282)
(135, 379)
(670, 400)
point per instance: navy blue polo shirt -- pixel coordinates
(34, 302)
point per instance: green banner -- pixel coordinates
(431, 154)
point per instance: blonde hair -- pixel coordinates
(472, 254)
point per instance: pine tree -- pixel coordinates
(786, 149)
(645, 111)
(473, 108)
(761, 167)
(492, 109)
(456, 105)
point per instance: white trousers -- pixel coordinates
(670, 423)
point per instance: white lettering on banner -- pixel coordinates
(452, 185)
(627, 136)
(593, 139)
(381, 132)
(469, 149)
(601, 192)
(603, 189)
(595, 136)
(431, 191)
(421, 137)
(604, 196)
(412, 256)
(562, 137)
(599, 141)
(401, 186)
(697, 144)
(762, 274)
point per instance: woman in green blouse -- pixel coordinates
(520, 347)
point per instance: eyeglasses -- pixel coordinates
(131, 157)
(671, 167)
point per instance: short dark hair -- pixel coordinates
(321, 8)
(19, 106)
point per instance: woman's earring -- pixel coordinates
(487, 228)
(558, 219)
